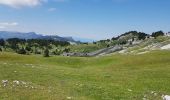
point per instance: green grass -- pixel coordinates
(86, 48)
(114, 77)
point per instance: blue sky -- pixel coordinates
(93, 19)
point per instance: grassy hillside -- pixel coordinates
(86, 47)
(148, 45)
(114, 77)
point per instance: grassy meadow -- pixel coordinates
(113, 77)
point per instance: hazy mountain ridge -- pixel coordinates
(32, 35)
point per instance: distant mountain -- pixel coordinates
(84, 39)
(33, 35)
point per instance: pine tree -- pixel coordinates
(46, 53)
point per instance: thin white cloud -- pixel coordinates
(21, 3)
(7, 24)
(52, 9)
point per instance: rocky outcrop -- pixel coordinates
(96, 53)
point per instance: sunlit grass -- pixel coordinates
(115, 77)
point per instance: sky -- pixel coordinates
(92, 19)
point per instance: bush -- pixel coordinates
(46, 53)
(28, 48)
(2, 42)
(0, 49)
(22, 51)
(67, 50)
(156, 34)
(142, 36)
(57, 52)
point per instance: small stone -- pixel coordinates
(16, 82)
(69, 98)
(4, 82)
(152, 92)
(155, 94)
(23, 82)
(129, 90)
(144, 99)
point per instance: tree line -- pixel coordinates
(35, 46)
(46, 47)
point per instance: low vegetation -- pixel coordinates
(33, 46)
(114, 77)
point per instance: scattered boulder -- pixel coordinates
(166, 97)
(165, 47)
(4, 82)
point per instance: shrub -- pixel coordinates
(46, 53)
(22, 51)
(156, 34)
(0, 49)
(28, 48)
